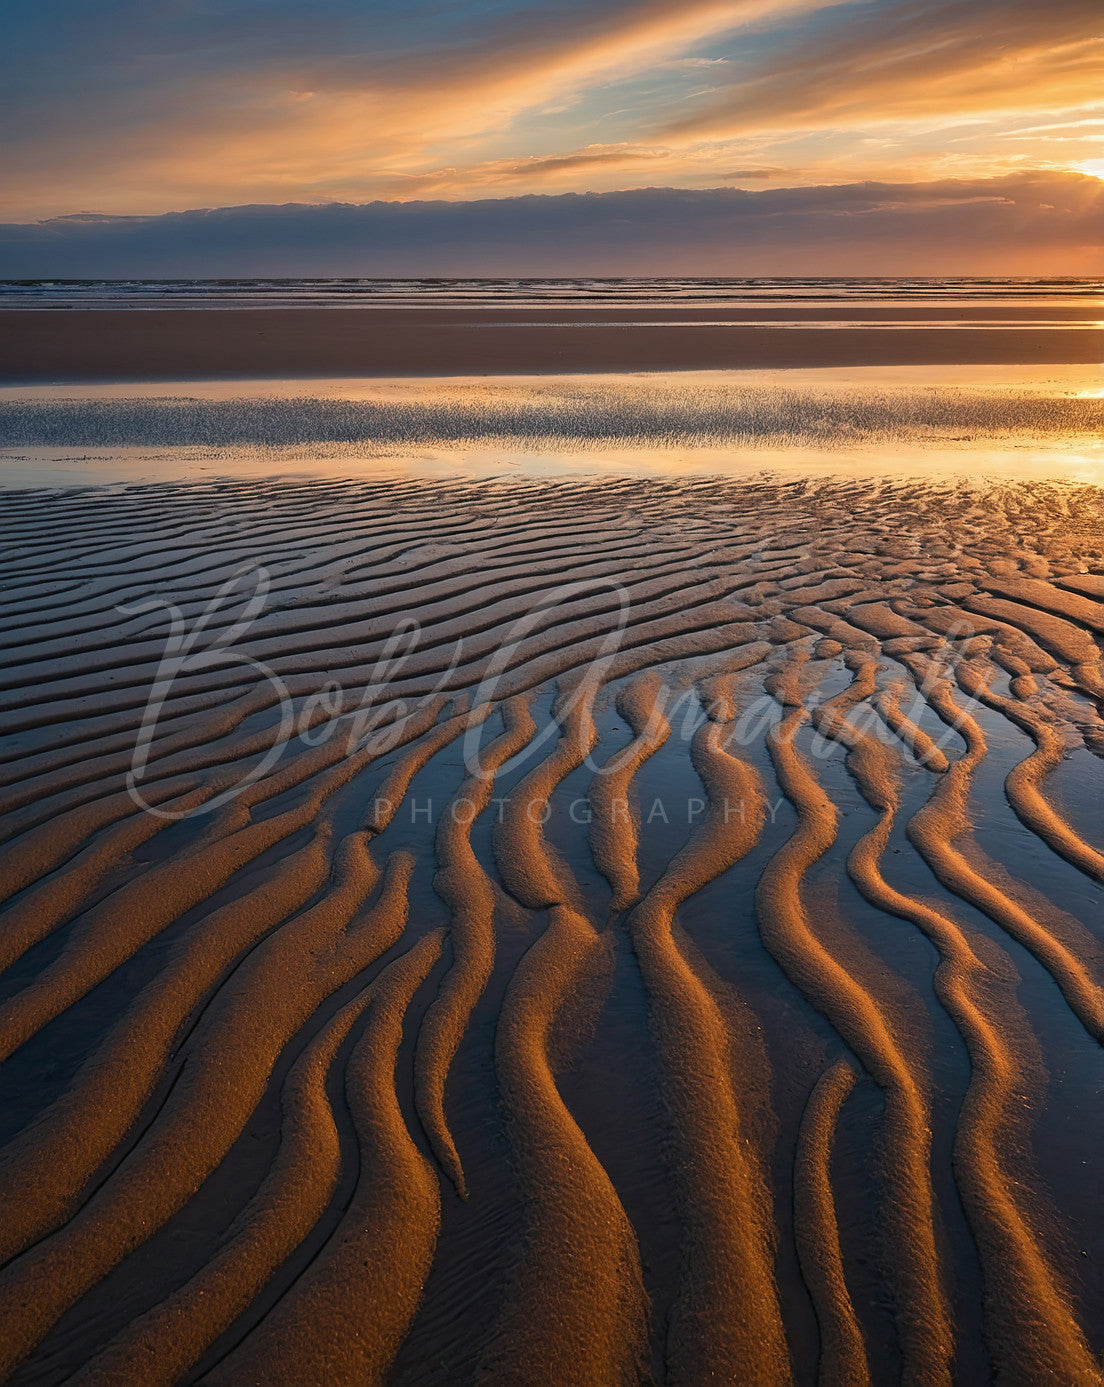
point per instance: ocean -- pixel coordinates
(490, 293)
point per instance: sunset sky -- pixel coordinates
(133, 108)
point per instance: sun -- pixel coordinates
(1093, 166)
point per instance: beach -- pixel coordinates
(576, 879)
(552, 694)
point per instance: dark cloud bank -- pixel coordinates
(1025, 223)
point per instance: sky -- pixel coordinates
(140, 108)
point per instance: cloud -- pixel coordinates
(619, 155)
(915, 60)
(132, 107)
(290, 100)
(536, 168)
(757, 172)
(1088, 121)
(1021, 224)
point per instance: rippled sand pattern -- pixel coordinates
(560, 932)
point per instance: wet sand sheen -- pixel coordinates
(171, 344)
(437, 755)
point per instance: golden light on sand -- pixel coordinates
(697, 833)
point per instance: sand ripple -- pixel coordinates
(551, 931)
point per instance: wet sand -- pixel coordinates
(167, 344)
(552, 930)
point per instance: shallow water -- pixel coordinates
(989, 422)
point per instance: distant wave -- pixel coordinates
(307, 292)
